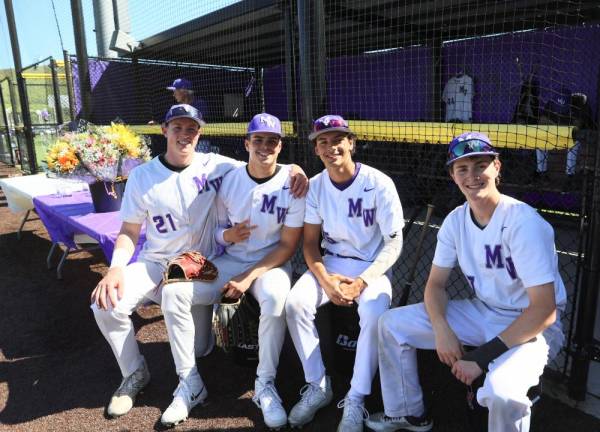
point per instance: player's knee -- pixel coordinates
(295, 306)
(273, 306)
(174, 297)
(107, 315)
(372, 310)
(498, 391)
(392, 323)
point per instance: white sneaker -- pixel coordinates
(189, 393)
(122, 400)
(267, 399)
(313, 399)
(354, 414)
(382, 423)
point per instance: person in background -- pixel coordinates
(183, 92)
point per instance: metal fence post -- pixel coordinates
(585, 346)
(69, 80)
(56, 91)
(7, 126)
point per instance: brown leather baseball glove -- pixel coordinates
(190, 266)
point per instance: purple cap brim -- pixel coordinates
(314, 135)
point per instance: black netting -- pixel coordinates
(408, 75)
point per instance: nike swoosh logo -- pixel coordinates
(193, 397)
(285, 187)
(368, 190)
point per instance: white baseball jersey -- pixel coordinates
(178, 207)
(269, 205)
(458, 95)
(354, 220)
(513, 252)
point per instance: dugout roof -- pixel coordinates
(251, 33)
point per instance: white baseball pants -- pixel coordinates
(301, 307)
(510, 376)
(141, 279)
(270, 291)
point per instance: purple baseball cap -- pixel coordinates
(329, 123)
(470, 144)
(181, 84)
(265, 123)
(184, 111)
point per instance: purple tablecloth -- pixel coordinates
(64, 217)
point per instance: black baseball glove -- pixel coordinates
(235, 324)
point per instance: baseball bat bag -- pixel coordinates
(346, 328)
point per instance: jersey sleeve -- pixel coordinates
(311, 214)
(445, 250)
(295, 215)
(390, 217)
(532, 250)
(133, 209)
(223, 221)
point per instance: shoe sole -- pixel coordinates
(173, 424)
(301, 425)
(116, 416)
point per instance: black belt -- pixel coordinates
(342, 256)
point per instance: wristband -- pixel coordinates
(120, 258)
(486, 353)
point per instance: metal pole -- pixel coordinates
(312, 52)
(16, 51)
(5, 118)
(590, 284)
(56, 91)
(85, 87)
(290, 72)
(69, 80)
(13, 103)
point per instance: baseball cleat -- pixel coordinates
(354, 414)
(381, 423)
(267, 399)
(189, 393)
(123, 398)
(313, 399)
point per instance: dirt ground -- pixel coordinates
(57, 372)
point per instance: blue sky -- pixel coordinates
(39, 38)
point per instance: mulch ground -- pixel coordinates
(57, 372)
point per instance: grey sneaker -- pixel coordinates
(189, 393)
(267, 399)
(313, 399)
(122, 400)
(381, 422)
(354, 414)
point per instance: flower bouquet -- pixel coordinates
(97, 155)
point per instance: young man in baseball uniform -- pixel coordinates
(357, 210)
(261, 224)
(174, 195)
(506, 251)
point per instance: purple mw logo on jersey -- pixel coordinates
(494, 259)
(355, 209)
(203, 183)
(268, 206)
